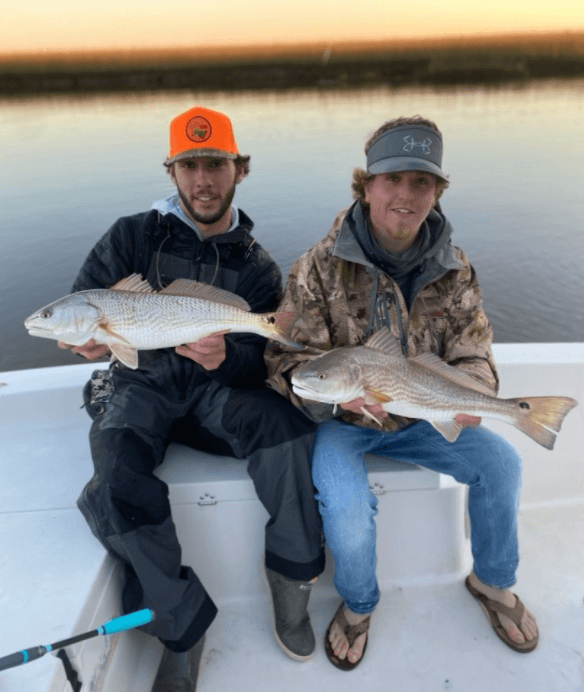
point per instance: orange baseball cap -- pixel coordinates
(201, 132)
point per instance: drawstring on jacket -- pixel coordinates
(158, 279)
(216, 263)
(246, 245)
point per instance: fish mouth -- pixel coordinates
(307, 393)
(302, 391)
(35, 328)
(37, 331)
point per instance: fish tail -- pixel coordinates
(279, 327)
(541, 417)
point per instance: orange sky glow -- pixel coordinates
(65, 25)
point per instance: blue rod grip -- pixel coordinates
(127, 622)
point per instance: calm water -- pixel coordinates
(71, 166)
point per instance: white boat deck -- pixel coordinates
(428, 637)
(427, 633)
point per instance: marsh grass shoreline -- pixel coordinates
(486, 60)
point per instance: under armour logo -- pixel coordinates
(411, 143)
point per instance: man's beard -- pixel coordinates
(212, 217)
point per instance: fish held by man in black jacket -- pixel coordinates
(132, 316)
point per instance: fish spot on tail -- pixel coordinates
(282, 320)
(541, 417)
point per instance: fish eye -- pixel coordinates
(45, 314)
(322, 376)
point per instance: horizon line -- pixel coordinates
(272, 48)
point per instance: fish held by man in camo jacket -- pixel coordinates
(421, 387)
(132, 316)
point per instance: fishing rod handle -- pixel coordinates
(127, 622)
(20, 657)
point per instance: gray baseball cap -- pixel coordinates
(407, 148)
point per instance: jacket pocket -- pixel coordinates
(98, 392)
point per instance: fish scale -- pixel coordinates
(427, 395)
(151, 321)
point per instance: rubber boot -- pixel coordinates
(179, 672)
(291, 624)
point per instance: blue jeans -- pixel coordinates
(479, 458)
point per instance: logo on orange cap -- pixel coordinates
(201, 132)
(198, 129)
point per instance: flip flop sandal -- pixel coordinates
(515, 614)
(351, 632)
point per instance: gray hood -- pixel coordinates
(429, 259)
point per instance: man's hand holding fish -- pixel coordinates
(90, 350)
(358, 404)
(209, 352)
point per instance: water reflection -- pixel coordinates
(73, 165)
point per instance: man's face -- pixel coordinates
(399, 203)
(206, 186)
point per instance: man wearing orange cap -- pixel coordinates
(208, 395)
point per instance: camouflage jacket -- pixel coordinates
(340, 298)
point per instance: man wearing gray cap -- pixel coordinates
(388, 261)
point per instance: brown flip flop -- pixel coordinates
(351, 632)
(515, 614)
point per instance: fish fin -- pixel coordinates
(197, 289)
(432, 362)
(384, 340)
(541, 417)
(104, 326)
(368, 414)
(134, 283)
(449, 429)
(374, 397)
(126, 354)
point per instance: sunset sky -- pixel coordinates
(38, 25)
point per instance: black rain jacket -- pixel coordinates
(163, 248)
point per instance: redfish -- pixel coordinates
(422, 387)
(131, 316)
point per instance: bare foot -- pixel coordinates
(527, 629)
(339, 641)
